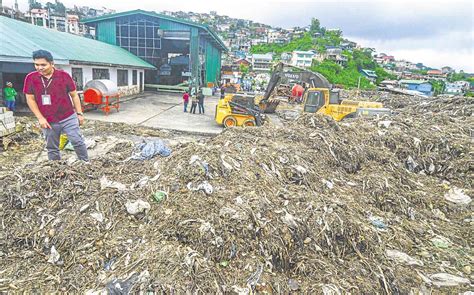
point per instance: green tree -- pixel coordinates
(244, 69)
(438, 86)
(315, 26)
(36, 5)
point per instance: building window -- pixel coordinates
(77, 78)
(139, 35)
(134, 77)
(100, 74)
(122, 78)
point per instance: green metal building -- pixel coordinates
(180, 50)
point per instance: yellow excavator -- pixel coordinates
(323, 101)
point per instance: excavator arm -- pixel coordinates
(314, 80)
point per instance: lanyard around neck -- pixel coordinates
(45, 87)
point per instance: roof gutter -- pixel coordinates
(80, 62)
(22, 59)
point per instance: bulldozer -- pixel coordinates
(322, 101)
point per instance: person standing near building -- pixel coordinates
(194, 103)
(200, 98)
(10, 96)
(51, 95)
(185, 100)
(222, 91)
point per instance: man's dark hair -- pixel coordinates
(43, 54)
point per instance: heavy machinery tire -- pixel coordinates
(249, 123)
(229, 122)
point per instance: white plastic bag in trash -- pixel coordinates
(457, 195)
(138, 206)
(205, 186)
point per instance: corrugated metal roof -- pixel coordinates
(414, 82)
(20, 39)
(162, 16)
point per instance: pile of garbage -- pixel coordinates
(366, 205)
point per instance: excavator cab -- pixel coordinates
(315, 99)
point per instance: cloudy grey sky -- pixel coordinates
(436, 33)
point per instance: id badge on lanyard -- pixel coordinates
(46, 98)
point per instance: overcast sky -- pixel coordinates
(436, 33)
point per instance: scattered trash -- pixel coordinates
(378, 222)
(98, 216)
(105, 183)
(195, 159)
(403, 258)
(457, 196)
(205, 186)
(328, 184)
(121, 287)
(108, 264)
(293, 285)
(160, 196)
(441, 242)
(150, 148)
(84, 208)
(54, 255)
(255, 277)
(439, 214)
(138, 206)
(329, 289)
(266, 220)
(448, 280)
(384, 124)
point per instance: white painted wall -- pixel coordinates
(124, 90)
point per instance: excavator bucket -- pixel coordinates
(268, 106)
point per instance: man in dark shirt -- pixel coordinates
(200, 98)
(52, 97)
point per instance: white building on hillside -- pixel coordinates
(261, 62)
(302, 59)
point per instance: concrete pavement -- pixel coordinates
(163, 111)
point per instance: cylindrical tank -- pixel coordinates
(95, 91)
(297, 90)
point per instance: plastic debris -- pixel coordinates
(330, 289)
(160, 196)
(441, 242)
(457, 196)
(448, 280)
(378, 222)
(149, 149)
(98, 216)
(121, 287)
(403, 258)
(293, 285)
(205, 186)
(138, 206)
(105, 183)
(54, 255)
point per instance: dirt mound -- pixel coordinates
(377, 205)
